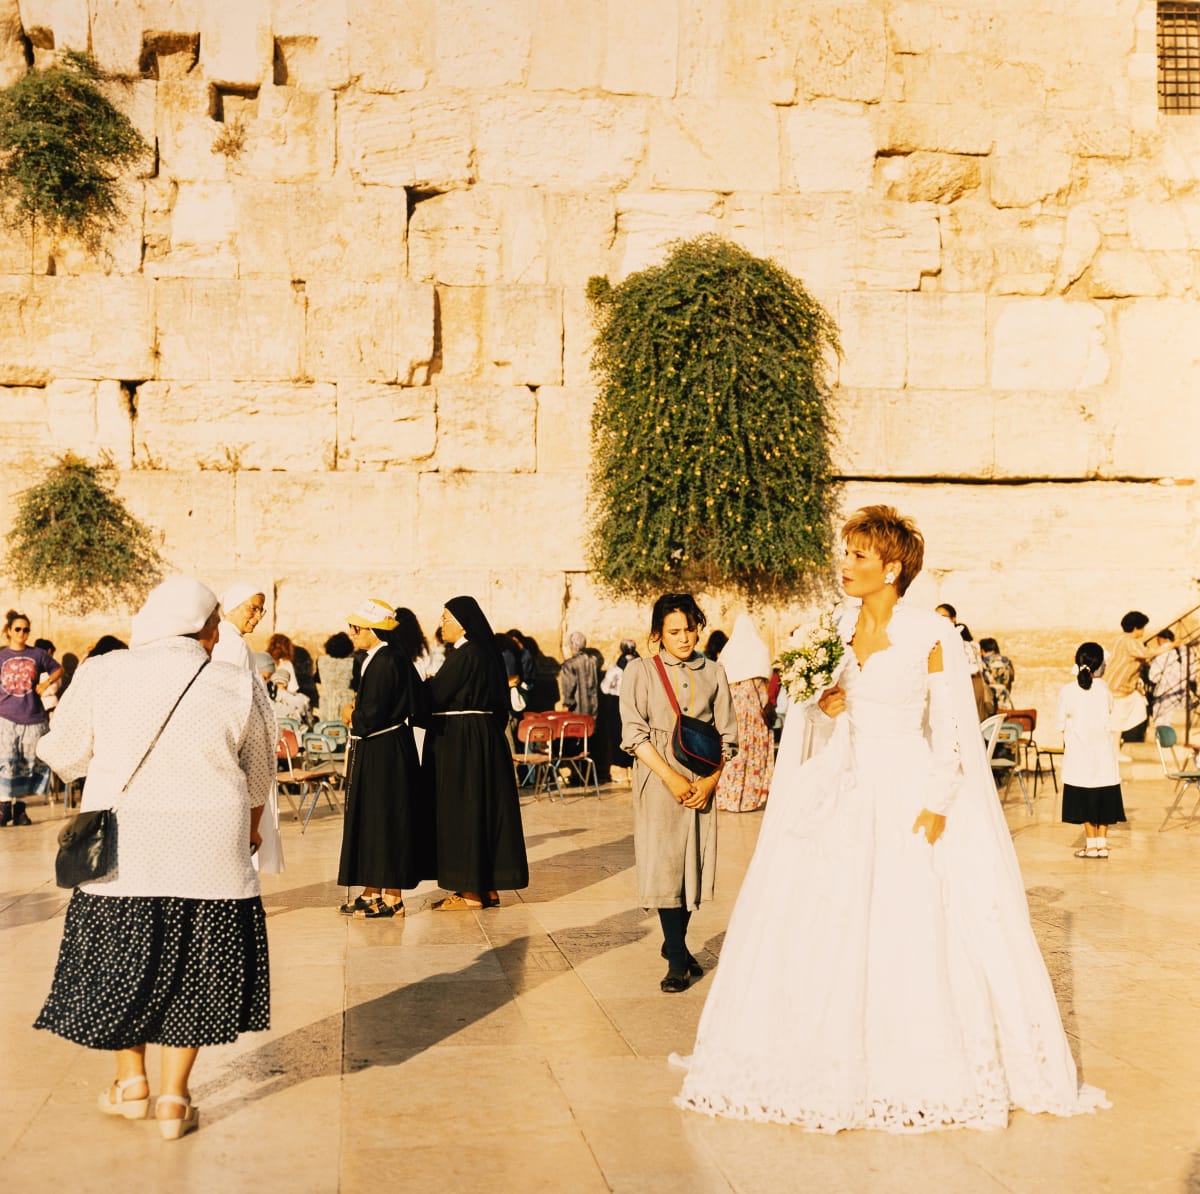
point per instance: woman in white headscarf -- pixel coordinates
(171, 948)
(746, 778)
(243, 607)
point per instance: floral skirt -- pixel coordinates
(746, 779)
(158, 970)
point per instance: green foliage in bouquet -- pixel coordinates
(73, 535)
(710, 433)
(63, 144)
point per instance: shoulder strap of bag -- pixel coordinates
(662, 671)
(154, 740)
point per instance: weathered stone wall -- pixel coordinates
(350, 352)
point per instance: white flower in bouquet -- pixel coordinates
(807, 667)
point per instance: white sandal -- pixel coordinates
(189, 1121)
(129, 1108)
(1090, 852)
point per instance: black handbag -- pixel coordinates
(87, 843)
(695, 744)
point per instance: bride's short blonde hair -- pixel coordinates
(892, 536)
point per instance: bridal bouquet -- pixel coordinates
(807, 667)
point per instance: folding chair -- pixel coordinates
(1183, 777)
(293, 783)
(1027, 720)
(536, 736)
(577, 728)
(997, 729)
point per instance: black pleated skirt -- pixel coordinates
(158, 970)
(1096, 806)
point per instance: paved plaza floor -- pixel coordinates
(524, 1048)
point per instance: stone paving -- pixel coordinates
(524, 1048)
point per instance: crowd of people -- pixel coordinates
(880, 792)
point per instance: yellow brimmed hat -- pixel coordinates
(374, 614)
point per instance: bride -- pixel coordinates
(879, 970)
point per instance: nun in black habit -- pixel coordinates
(480, 841)
(388, 836)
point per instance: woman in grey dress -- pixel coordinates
(675, 822)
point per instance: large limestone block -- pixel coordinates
(569, 143)
(27, 442)
(235, 40)
(564, 420)
(67, 20)
(370, 331)
(485, 42)
(828, 150)
(701, 44)
(1045, 435)
(606, 619)
(947, 341)
(956, 30)
(642, 47)
(754, 54)
(312, 37)
(700, 145)
(462, 323)
(568, 47)
(1021, 180)
(941, 78)
(88, 326)
(524, 235)
(944, 128)
(842, 51)
(1081, 240)
(422, 141)
(1047, 344)
(873, 328)
(200, 226)
(924, 433)
(811, 236)
(579, 336)
(12, 48)
(249, 426)
(894, 244)
(385, 426)
(456, 239)
(1124, 273)
(925, 177)
(1028, 253)
(186, 132)
(1153, 416)
(524, 335)
(195, 513)
(580, 230)
(292, 138)
(217, 329)
(391, 43)
(89, 418)
(471, 516)
(649, 221)
(368, 528)
(361, 230)
(486, 429)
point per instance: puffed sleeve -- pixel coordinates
(1062, 712)
(635, 707)
(724, 716)
(944, 735)
(67, 748)
(256, 753)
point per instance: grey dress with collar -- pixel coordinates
(675, 846)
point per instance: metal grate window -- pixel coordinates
(1178, 56)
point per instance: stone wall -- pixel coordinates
(342, 343)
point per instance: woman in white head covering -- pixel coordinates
(746, 779)
(171, 948)
(242, 608)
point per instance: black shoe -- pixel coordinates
(676, 981)
(355, 905)
(5, 813)
(19, 815)
(694, 968)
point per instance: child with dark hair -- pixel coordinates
(674, 819)
(1091, 774)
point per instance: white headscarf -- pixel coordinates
(180, 605)
(745, 656)
(237, 593)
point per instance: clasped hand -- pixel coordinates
(832, 701)
(933, 824)
(691, 793)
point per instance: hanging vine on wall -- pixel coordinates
(73, 535)
(63, 145)
(710, 456)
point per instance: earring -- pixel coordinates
(890, 578)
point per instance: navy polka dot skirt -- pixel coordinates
(157, 970)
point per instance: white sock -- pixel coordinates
(1102, 843)
(1093, 843)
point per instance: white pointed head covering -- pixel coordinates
(237, 593)
(180, 605)
(745, 656)
(373, 614)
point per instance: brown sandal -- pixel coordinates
(456, 903)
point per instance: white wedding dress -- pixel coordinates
(867, 979)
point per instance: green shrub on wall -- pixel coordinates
(710, 456)
(74, 536)
(63, 144)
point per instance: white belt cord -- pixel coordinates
(465, 713)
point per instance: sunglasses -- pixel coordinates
(19, 629)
